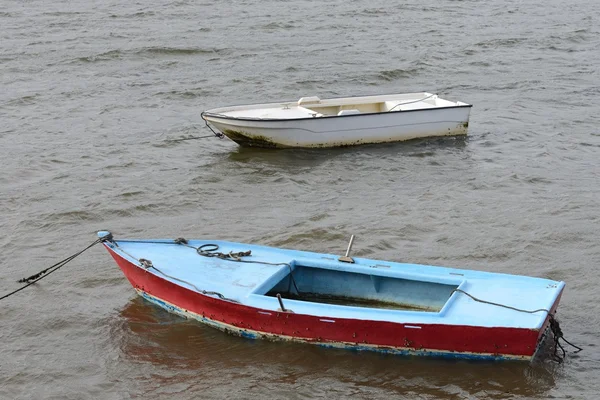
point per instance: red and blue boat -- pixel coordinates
(270, 293)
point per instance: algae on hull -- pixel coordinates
(243, 139)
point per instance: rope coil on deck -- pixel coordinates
(210, 250)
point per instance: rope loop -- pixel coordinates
(210, 250)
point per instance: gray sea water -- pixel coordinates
(91, 92)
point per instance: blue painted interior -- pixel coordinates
(353, 288)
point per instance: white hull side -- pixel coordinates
(346, 130)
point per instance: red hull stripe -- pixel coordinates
(431, 339)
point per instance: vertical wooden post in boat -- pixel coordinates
(281, 303)
(347, 257)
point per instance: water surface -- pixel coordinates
(92, 92)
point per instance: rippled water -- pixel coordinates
(91, 93)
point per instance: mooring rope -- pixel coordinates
(554, 325)
(558, 335)
(189, 138)
(148, 264)
(498, 304)
(45, 272)
(215, 134)
(410, 102)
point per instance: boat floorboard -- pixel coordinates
(350, 301)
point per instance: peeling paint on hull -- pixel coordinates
(252, 334)
(439, 340)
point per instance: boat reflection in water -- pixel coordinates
(162, 351)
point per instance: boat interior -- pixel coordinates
(314, 107)
(364, 105)
(328, 286)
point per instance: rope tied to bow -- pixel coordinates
(30, 280)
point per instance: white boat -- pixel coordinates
(313, 122)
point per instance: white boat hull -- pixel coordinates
(317, 130)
